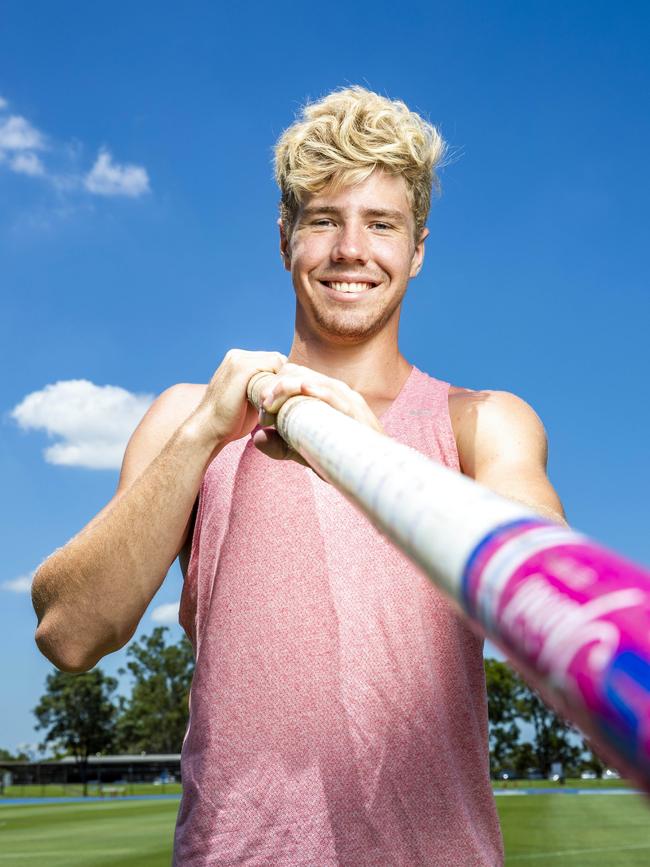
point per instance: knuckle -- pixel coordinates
(233, 356)
(289, 382)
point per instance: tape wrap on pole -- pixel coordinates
(572, 616)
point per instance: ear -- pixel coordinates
(285, 250)
(418, 254)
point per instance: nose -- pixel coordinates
(351, 244)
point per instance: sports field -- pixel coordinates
(573, 830)
(97, 834)
(599, 830)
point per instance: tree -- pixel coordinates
(553, 734)
(510, 701)
(78, 715)
(154, 718)
(591, 761)
(6, 756)
(505, 690)
(524, 759)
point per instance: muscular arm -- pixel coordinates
(90, 595)
(502, 444)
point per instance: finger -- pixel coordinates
(270, 443)
(335, 397)
(253, 368)
(268, 362)
(280, 391)
(293, 369)
(259, 360)
(345, 400)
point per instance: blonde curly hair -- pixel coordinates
(343, 138)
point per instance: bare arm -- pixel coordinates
(89, 595)
(502, 444)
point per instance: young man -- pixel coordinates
(338, 712)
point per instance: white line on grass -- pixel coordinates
(560, 852)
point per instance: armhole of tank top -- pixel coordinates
(446, 427)
(195, 534)
(188, 607)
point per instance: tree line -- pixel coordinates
(81, 715)
(511, 703)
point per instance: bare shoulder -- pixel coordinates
(491, 404)
(490, 425)
(502, 444)
(163, 418)
(175, 404)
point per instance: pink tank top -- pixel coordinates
(338, 711)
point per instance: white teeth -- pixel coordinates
(349, 287)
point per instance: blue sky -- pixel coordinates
(138, 239)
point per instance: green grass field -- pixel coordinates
(97, 834)
(75, 790)
(576, 830)
(553, 830)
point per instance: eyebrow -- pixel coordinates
(378, 213)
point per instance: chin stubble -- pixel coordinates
(350, 327)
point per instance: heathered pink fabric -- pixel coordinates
(338, 711)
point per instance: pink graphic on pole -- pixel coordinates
(577, 616)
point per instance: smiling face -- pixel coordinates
(351, 254)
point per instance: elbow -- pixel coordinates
(52, 638)
(71, 636)
(74, 653)
(66, 655)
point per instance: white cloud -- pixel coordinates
(17, 134)
(22, 584)
(167, 613)
(93, 422)
(19, 139)
(27, 164)
(107, 178)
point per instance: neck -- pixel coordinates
(375, 367)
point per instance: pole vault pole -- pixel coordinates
(571, 615)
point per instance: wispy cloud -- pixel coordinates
(92, 423)
(20, 141)
(22, 584)
(167, 613)
(107, 178)
(27, 164)
(17, 134)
